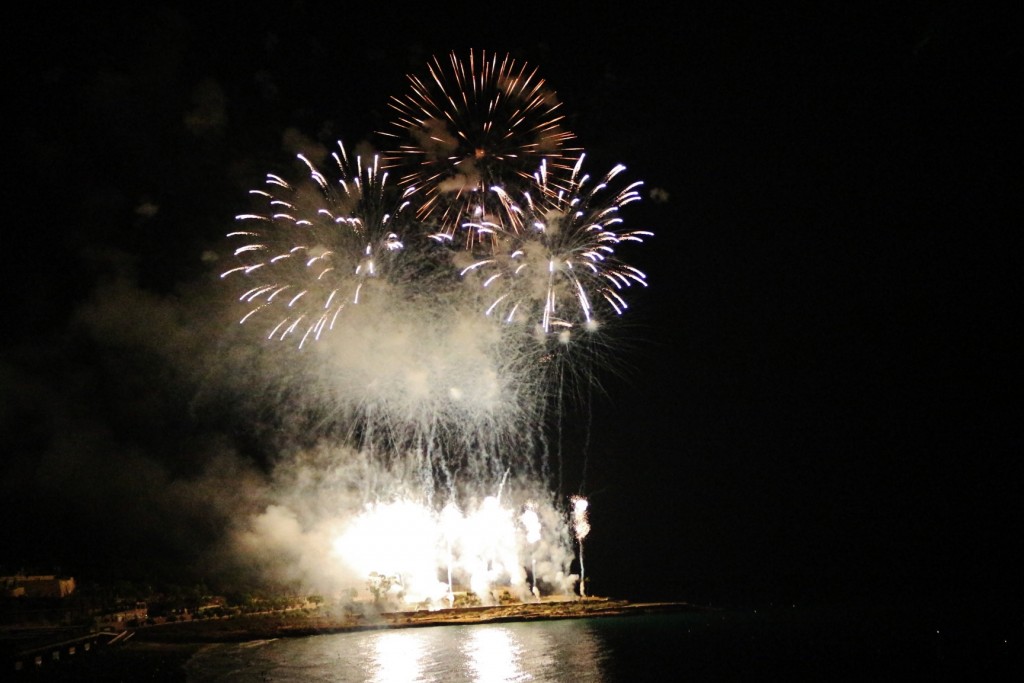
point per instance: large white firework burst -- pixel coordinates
(316, 245)
(552, 262)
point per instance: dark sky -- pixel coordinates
(818, 393)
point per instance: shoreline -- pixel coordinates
(161, 652)
(284, 625)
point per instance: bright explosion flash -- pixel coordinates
(419, 321)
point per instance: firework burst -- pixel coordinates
(314, 248)
(554, 263)
(446, 363)
(470, 124)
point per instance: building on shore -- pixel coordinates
(37, 586)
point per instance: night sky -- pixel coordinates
(816, 399)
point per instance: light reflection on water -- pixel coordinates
(485, 653)
(819, 643)
(397, 658)
(494, 655)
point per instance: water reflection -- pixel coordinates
(397, 658)
(568, 650)
(494, 655)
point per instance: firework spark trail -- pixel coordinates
(581, 527)
(431, 324)
(531, 523)
(470, 124)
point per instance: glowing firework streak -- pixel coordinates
(532, 525)
(311, 252)
(581, 527)
(469, 124)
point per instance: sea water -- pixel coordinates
(772, 644)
